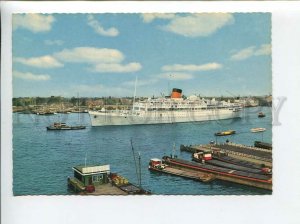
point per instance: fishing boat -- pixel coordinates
(174, 108)
(254, 130)
(224, 133)
(63, 126)
(261, 114)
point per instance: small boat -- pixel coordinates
(261, 114)
(224, 133)
(254, 130)
(64, 126)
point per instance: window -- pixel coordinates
(97, 178)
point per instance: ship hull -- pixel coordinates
(119, 118)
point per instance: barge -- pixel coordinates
(263, 145)
(226, 174)
(157, 165)
(258, 156)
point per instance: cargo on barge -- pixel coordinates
(258, 156)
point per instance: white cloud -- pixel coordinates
(96, 25)
(176, 76)
(46, 61)
(199, 25)
(149, 17)
(90, 55)
(54, 42)
(243, 54)
(192, 68)
(101, 59)
(192, 25)
(31, 76)
(117, 68)
(33, 22)
(264, 49)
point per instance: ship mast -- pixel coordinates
(136, 169)
(134, 95)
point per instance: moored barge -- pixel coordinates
(221, 173)
(157, 165)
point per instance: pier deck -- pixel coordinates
(190, 174)
(107, 189)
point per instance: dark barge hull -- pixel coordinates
(241, 177)
(263, 145)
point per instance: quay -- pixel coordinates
(259, 156)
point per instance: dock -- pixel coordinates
(222, 173)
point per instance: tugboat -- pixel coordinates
(261, 114)
(59, 126)
(224, 133)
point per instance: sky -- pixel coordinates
(95, 55)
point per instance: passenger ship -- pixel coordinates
(170, 109)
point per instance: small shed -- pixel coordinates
(92, 175)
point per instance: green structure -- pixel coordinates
(88, 175)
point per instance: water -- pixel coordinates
(42, 160)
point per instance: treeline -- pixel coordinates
(74, 101)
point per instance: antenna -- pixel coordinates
(136, 169)
(174, 147)
(140, 172)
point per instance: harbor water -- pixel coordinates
(43, 160)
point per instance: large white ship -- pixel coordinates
(170, 109)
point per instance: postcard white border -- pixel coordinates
(282, 207)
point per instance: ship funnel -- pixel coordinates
(176, 93)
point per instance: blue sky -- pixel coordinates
(215, 54)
